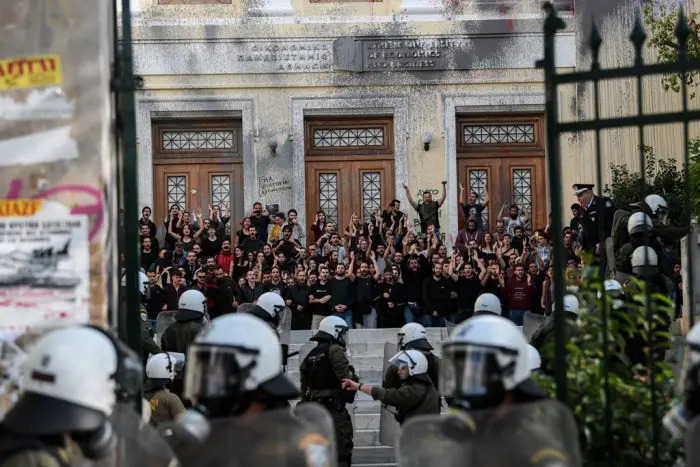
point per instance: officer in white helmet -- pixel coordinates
(66, 402)
(271, 308)
(497, 416)
(657, 207)
(416, 395)
(487, 303)
(189, 321)
(160, 373)
(413, 336)
(636, 225)
(543, 337)
(322, 373)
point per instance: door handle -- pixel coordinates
(193, 191)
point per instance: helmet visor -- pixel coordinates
(216, 372)
(344, 337)
(470, 371)
(402, 360)
(662, 215)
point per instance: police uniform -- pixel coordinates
(321, 374)
(392, 379)
(148, 345)
(415, 396)
(26, 451)
(165, 406)
(543, 339)
(600, 209)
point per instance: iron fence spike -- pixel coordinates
(594, 43)
(682, 30)
(638, 35)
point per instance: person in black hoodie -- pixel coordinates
(363, 311)
(436, 296)
(468, 287)
(251, 290)
(297, 297)
(414, 270)
(390, 301)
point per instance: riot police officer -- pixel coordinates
(58, 409)
(637, 223)
(596, 209)
(416, 395)
(240, 397)
(487, 303)
(148, 345)
(270, 307)
(657, 207)
(413, 336)
(543, 337)
(189, 321)
(322, 373)
(485, 378)
(160, 373)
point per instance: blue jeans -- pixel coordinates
(430, 321)
(516, 316)
(347, 316)
(408, 314)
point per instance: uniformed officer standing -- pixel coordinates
(416, 394)
(160, 373)
(413, 336)
(596, 209)
(189, 320)
(322, 373)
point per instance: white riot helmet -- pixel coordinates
(657, 206)
(160, 367)
(637, 221)
(692, 340)
(413, 336)
(487, 303)
(272, 304)
(143, 285)
(645, 262)
(486, 357)
(238, 355)
(192, 303)
(613, 287)
(534, 358)
(571, 305)
(335, 327)
(61, 396)
(413, 360)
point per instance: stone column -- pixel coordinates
(272, 8)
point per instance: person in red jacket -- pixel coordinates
(518, 292)
(225, 257)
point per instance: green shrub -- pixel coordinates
(630, 394)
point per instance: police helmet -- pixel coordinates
(413, 336)
(485, 357)
(160, 367)
(571, 305)
(645, 262)
(534, 358)
(637, 221)
(413, 360)
(62, 397)
(232, 360)
(334, 328)
(487, 303)
(657, 206)
(192, 304)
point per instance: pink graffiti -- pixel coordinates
(94, 209)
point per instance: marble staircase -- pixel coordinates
(366, 354)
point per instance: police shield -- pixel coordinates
(543, 430)
(138, 443)
(449, 326)
(317, 416)
(305, 350)
(268, 439)
(692, 447)
(531, 322)
(284, 328)
(388, 426)
(163, 322)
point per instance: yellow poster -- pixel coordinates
(37, 71)
(19, 207)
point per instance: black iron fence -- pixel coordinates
(598, 267)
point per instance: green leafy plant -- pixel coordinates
(662, 178)
(661, 18)
(630, 393)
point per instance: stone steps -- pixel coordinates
(366, 354)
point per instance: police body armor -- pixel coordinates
(319, 372)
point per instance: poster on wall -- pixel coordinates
(44, 266)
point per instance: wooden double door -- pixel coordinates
(516, 180)
(342, 187)
(193, 186)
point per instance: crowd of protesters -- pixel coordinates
(374, 272)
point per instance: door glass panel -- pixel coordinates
(328, 195)
(221, 191)
(522, 189)
(197, 140)
(499, 134)
(177, 191)
(477, 183)
(371, 192)
(348, 137)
